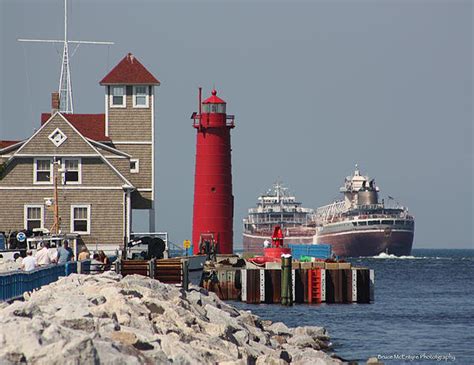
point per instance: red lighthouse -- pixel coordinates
(213, 200)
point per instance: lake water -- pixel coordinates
(423, 311)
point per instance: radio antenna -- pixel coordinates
(65, 87)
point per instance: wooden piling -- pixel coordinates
(273, 286)
(185, 271)
(286, 281)
(346, 285)
(255, 280)
(362, 285)
(301, 286)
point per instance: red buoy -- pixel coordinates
(213, 210)
(277, 249)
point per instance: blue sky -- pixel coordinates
(316, 87)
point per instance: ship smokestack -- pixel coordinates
(367, 197)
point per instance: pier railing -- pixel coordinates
(14, 284)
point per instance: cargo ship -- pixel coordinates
(277, 207)
(360, 225)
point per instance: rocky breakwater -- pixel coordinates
(106, 319)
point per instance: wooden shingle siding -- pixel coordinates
(41, 144)
(96, 173)
(123, 166)
(11, 219)
(143, 152)
(106, 215)
(129, 123)
(106, 212)
(19, 172)
(120, 162)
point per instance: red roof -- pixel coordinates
(4, 144)
(89, 125)
(129, 71)
(214, 99)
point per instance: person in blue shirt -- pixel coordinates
(64, 253)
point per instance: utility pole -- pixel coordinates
(55, 229)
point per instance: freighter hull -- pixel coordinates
(254, 243)
(368, 243)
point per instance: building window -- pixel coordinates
(118, 96)
(140, 96)
(134, 166)
(33, 217)
(81, 219)
(43, 171)
(72, 170)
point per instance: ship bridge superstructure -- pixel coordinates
(359, 190)
(361, 203)
(277, 207)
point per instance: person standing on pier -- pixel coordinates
(64, 253)
(84, 254)
(43, 256)
(29, 262)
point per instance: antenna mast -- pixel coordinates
(65, 87)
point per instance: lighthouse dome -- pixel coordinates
(214, 99)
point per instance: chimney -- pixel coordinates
(54, 102)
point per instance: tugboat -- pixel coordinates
(360, 225)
